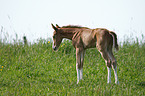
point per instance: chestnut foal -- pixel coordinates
(84, 38)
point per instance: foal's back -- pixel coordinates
(93, 37)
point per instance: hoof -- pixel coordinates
(77, 82)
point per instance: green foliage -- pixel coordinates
(36, 70)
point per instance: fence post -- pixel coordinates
(25, 40)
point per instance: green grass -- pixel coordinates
(36, 70)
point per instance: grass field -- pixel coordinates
(36, 70)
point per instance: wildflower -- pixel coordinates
(62, 45)
(2, 67)
(48, 41)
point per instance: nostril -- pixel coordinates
(54, 48)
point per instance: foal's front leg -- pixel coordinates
(82, 61)
(79, 64)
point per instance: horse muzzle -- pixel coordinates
(54, 48)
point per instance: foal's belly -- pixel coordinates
(90, 44)
(88, 40)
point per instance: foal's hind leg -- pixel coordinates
(105, 55)
(114, 65)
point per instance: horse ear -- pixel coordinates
(54, 27)
(57, 26)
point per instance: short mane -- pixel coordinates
(74, 26)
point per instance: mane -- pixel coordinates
(74, 26)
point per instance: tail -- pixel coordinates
(115, 44)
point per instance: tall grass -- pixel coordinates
(36, 70)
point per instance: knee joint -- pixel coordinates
(108, 63)
(78, 66)
(114, 64)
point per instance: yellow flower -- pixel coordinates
(1, 69)
(2, 66)
(62, 45)
(48, 41)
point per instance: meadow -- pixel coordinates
(36, 70)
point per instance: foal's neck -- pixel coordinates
(68, 33)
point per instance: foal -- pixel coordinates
(84, 38)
